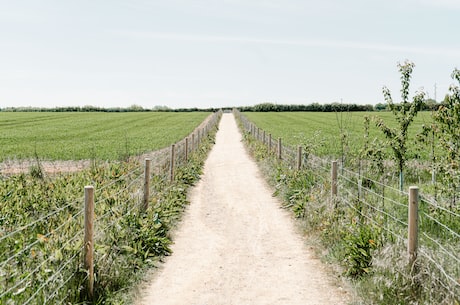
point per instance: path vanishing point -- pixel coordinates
(235, 245)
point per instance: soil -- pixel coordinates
(236, 245)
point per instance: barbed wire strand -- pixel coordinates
(44, 236)
(373, 192)
(69, 278)
(103, 229)
(40, 219)
(51, 278)
(56, 290)
(435, 205)
(377, 209)
(100, 218)
(373, 221)
(122, 177)
(439, 267)
(40, 265)
(442, 225)
(453, 256)
(375, 181)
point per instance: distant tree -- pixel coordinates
(265, 107)
(380, 107)
(135, 108)
(431, 105)
(161, 108)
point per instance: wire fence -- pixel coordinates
(386, 208)
(41, 251)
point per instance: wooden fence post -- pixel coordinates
(279, 148)
(146, 185)
(172, 163)
(186, 149)
(413, 225)
(299, 157)
(193, 141)
(88, 242)
(334, 179)
(270, 142)
(263, 141)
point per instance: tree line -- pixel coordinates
(133, 108)
(263, 107)
(333, 107)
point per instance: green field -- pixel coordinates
(77, 136)
(299, 127)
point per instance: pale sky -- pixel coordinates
(220, 53)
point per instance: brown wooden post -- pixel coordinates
(279, 148)
(88, 243)
(146, 185)
(299, 157)
(334, 179)
(413, 225)
(193, 141)
(172, 163)
(263, 135)
(258, 133)
(186, 149)
(270, 142)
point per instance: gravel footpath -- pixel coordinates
(235, 244)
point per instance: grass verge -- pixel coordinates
(367, 246)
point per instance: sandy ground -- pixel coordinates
(236, 245)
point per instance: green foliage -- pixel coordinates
(312, 144)
(447, 129)
(404, 113)
(86, 135)
(360, 242)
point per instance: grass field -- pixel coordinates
(77, 136)
(297, 127)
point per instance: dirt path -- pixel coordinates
(235, 245)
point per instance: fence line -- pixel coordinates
(392, 199)
(54, 283)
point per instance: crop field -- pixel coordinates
(298, 127)
(78, 136)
